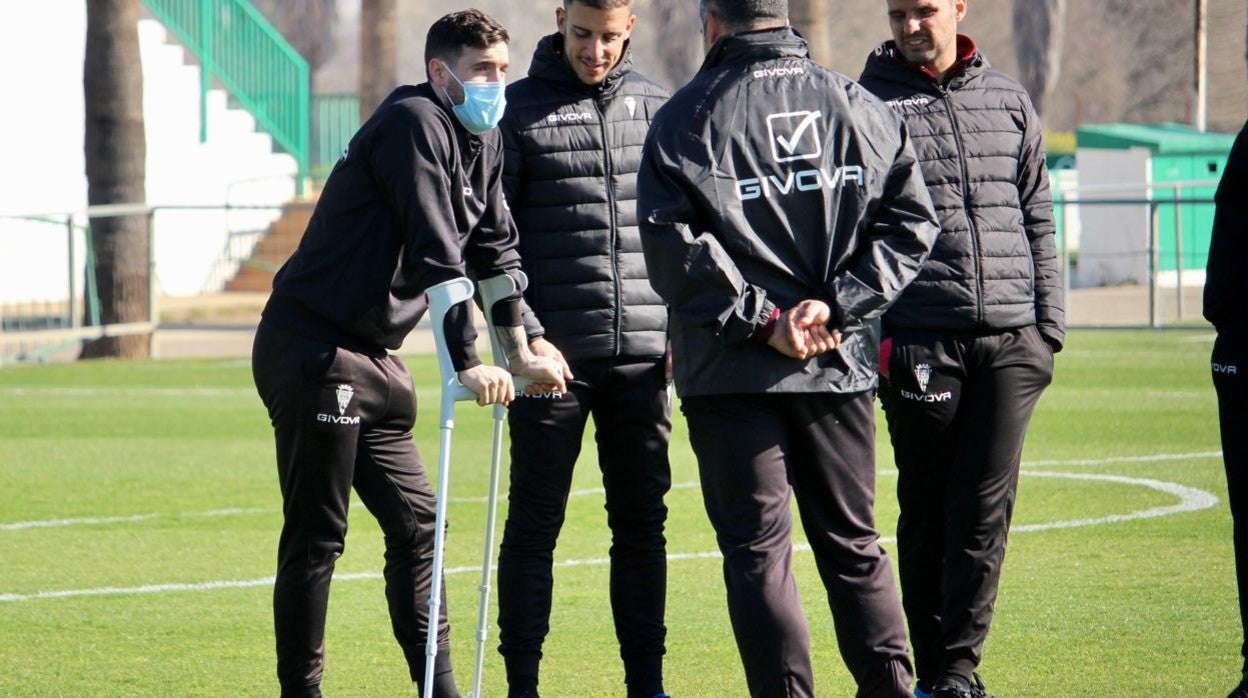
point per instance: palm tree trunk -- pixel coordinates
(813, 20)
(1038, 32)
(116, 150)
(667, 27)
(379, 53)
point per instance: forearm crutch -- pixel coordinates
(442, 297)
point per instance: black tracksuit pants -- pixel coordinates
(753, 451)
(628, 400)
(1230, 379)
(341, 420)
(958, 405)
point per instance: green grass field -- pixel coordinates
(140, 514)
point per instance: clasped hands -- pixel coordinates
(801, 331)
(542, 364)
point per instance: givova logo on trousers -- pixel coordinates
(923, 376)
(343, 395)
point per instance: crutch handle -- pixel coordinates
(442, 297)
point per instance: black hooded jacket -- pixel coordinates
(766, 181)
(979, 141)
(572, 154)
(1226, 277)
(414, 200)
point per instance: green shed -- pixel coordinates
(1156, 157)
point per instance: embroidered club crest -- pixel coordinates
(631, 103)
(922, 374)
(344, 393)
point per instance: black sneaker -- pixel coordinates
(522, 693)
(1241, 691)
(953, 686)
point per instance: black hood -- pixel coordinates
(550, 63)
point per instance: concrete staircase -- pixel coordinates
(255, 274)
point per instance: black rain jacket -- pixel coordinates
(766, 181)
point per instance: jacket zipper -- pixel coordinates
(614, 229)
(966, 207)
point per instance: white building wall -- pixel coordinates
(42, 47)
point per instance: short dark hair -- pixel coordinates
(740, 14)
(449, 36)
(600, 4)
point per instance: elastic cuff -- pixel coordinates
(465, 358)
(763, 334)
(507, 312)
(1055, 343)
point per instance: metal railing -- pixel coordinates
(1160, 246)
(335, 119)
(67, 312)
(64, 311)
(32, 330)
(238, 47)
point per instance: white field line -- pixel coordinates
(127, 392)
(98, 520)
(1156, 458)
(588, 492)
(1190, 499)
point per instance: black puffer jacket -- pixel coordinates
(769, 180)
(1226, 278)
(979, 142)
(570, 173)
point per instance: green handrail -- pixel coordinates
(238, 47)
(335, 119)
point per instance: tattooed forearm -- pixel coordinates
(514, 341)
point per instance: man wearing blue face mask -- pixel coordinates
(415, 200)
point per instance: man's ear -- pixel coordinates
(714, 29)
(561, 20)
(437, 72)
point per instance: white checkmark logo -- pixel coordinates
(791, 145)
(788, 147)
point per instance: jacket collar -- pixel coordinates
(550, 63)
(970, 64)
(781, 42)
(428, 91)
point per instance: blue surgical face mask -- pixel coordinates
(484, 103)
